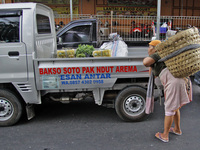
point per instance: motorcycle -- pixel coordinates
(140, 30)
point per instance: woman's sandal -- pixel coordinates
(171, 130)
(160, 138)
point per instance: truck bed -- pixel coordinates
(87, 73)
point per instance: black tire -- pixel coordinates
(10, 108)
(130, 104)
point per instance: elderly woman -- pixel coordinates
(177, 92)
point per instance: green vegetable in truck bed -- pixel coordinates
(87, 50)
(80, 55)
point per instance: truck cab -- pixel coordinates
(27, 31)
(78, 32)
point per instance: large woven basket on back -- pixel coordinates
(186, 63)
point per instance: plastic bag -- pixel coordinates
(118, 47)
(164, 24)
(170, 33)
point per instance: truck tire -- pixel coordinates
(10, 108)
(130, 104)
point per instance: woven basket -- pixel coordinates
(186, 63)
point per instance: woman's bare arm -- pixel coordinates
(148, 61)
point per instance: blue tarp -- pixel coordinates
(162, 29)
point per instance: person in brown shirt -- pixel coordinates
(176, 91)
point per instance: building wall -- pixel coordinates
(6, 1)
(168, 7)
(88, 6)
(185, 8)
(128, 7)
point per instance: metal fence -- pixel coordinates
(134, 28)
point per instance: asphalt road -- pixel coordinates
(86, 126)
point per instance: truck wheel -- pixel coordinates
(10, 108)
(130, 104)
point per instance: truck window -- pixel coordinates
(77, 34)
(43, 24)
(9, 29)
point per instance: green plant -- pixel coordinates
(84, 49)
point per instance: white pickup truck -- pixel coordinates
(30, 73)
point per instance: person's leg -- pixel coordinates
(167, 125)
(177, 127)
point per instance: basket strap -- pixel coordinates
(189, 47)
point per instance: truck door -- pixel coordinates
(13, 59)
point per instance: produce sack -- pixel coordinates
(185, 49)
(66, 53)
(102, 53)
(70, 53)
(118, 47)
(61, 54)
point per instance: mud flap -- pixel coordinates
(30, 111)
(98, 95)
